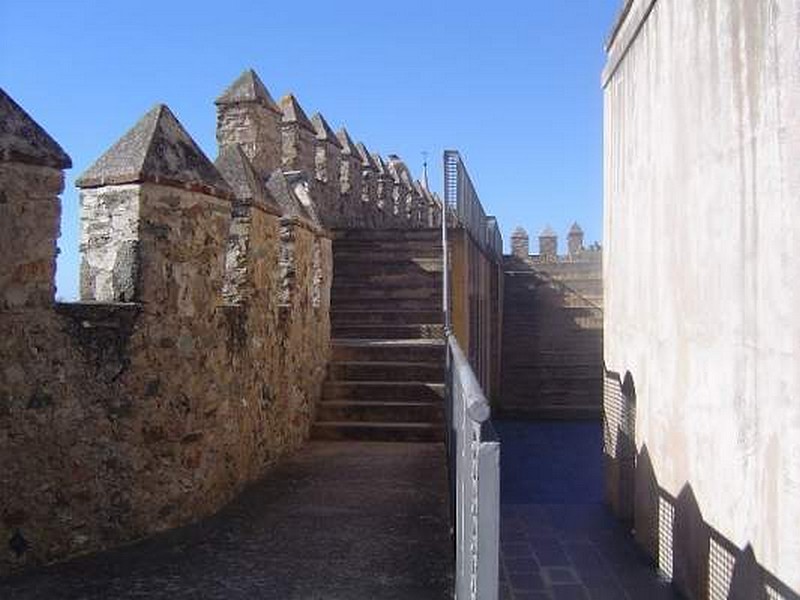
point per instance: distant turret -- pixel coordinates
(520, 243)
(548, 244)
(575, 240)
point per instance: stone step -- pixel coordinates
(384, 255)
(557, 372)
(404, 350)
(379, 432)
(398, 281)
(386, 317)
(432, 331)
(372, 304)
(430, 234)
(390, 294)
(385, 371)
(380, 412)
(357, 266)
(389, 244)
(388, 391)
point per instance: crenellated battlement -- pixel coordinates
(196, 354)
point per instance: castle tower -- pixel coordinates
(248, 116)
(575, 240)
(548, 244)
(520, 243)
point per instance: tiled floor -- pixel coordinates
(558, 540)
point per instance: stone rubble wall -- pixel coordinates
(196, 356)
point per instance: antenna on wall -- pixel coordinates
(425, 170)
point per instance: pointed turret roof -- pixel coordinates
(23, 140)
(398, 169)
(367, 160)
(247, 186)
(547, 232)
(324, 132)
(284, 187)
(159, 150)
(294, 113)
(519, 231)
(346, 143)
(380, 166)
(424, 180)
(575, 229)
(248, 87)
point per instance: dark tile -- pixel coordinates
(548, 552)
(559, 575)
(569, 592)
(526, 581)
(521, 565)
(516, 550)
(607, 591)
(584, 556)
(532, 596)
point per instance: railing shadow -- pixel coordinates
(699, 560)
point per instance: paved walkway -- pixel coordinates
(558, 541)
(337, 521)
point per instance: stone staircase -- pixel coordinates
(553, 342)
(385, 378)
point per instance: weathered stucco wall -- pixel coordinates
(702, 253)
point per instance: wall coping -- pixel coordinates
(624, 33)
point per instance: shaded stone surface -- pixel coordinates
(294, 113)
(558, 539)
(335, 521)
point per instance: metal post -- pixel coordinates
(445, 266)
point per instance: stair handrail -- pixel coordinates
(473, 450)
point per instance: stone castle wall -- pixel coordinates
(552, 330)
(196, 354)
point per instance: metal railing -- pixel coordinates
(474, 460)
(461, 197)
(473, 448)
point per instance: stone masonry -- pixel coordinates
(552, 328)
(196, 355)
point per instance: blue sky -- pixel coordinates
(514, 86)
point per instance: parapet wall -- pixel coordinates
(552, 329)
(196, 354)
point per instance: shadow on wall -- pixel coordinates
(552, 347)
(699, 560)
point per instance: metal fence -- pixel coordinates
(474, 461)
(461, 197)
